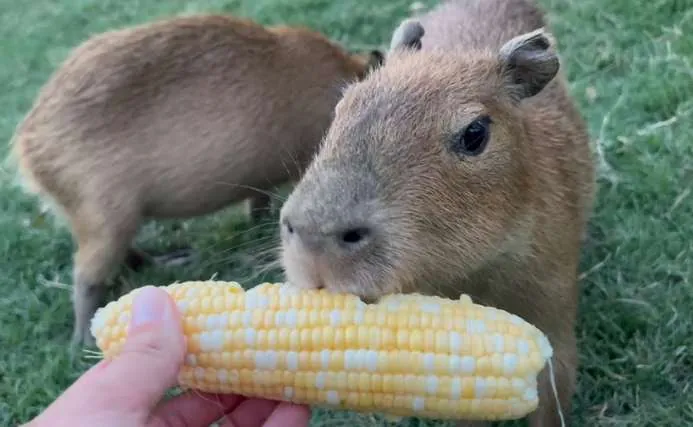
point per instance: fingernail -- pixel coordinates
(149, 305)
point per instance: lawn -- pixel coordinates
(630, 63)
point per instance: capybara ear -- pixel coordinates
(529, 63)
(368, 61)
(407, 36)
(375, 59)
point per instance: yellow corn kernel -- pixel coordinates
(408, 355)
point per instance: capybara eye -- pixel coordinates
(473, 139)
(354, 235)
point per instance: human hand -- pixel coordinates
(127, 390)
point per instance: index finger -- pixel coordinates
(194, 409)
(289, 414)
(268, 413)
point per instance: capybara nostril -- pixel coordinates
(286, 223)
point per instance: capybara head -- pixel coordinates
(426, 172)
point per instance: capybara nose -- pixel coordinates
(320, 237)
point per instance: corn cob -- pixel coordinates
(408, 355)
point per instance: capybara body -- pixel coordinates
(460, 166)
(175, 119)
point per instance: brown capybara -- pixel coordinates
(175, 119)
(460, 166)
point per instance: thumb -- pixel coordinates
(152, 355)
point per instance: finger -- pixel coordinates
(289, 414)
(151, 357)
(250, 413)
(194, 409)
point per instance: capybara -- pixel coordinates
(175, 119)
(461, 165)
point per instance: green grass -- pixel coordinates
(631, 67)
